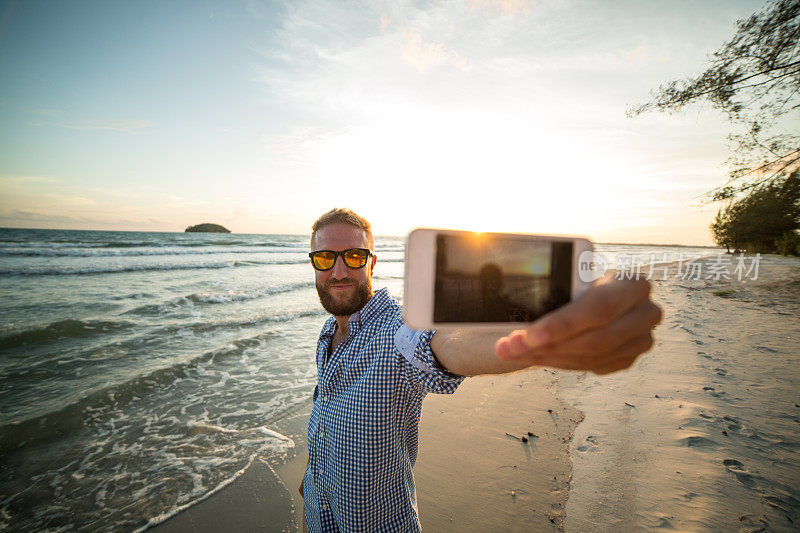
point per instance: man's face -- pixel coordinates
(343, 290)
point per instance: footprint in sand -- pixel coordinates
(590, 444)
(782, 504)
(737, 469)
(733, 423)
(765, 349)
(699, 442)
(714, 392)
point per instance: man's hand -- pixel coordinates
(603, 331)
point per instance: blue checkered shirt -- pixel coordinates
(363, 430)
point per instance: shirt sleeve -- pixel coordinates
(415, 347)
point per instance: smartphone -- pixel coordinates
(462, 278)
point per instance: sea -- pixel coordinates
(140, 372)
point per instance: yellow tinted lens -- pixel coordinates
(323, 260)
(355, 258)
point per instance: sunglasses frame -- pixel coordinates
(336, 256)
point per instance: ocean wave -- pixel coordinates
(114, 269)
(203, 327)
(63, 329)
(73, 416)
(282, 443)
(278, 262)
(50, 244)
(231, 296)
(148, 251)
(152, 248)
(383, 277)
(163, 517)
(107, 269)
(65, 243)
(209, 298)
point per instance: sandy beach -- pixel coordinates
(471, 450)
(701, 434)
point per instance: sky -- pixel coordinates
(505, 115)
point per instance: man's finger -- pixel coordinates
(585, 348)
(601, 304)
(614, 360)
(636, 322)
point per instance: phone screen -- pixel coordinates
(487, 278)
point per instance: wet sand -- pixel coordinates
(255, 501)
(264, 498)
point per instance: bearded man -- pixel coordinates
(374, 372)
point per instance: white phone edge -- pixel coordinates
(420, 272)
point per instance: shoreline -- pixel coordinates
(256, 500)
(466, 456)
(263, 497)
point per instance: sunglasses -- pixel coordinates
(353, 258)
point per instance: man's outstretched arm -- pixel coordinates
(603, 331)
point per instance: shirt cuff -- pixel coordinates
(415, 347)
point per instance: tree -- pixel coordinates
(766, 220)
(723, 229)
(755, 79)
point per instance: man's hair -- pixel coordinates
(342, 216)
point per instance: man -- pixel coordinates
(373, 373)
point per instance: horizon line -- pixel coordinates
(309, 233)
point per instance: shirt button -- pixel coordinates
(324, 506)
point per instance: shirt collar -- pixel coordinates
(374, 307)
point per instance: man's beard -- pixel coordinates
(359, 298)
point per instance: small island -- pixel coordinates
(207, 228)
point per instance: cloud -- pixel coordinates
(503, 6)
(18, 215)
(425, 55)
(30, 218)
(297, 141)
(69, 201)
(11, 181)
(129, 125)
(129, 193)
